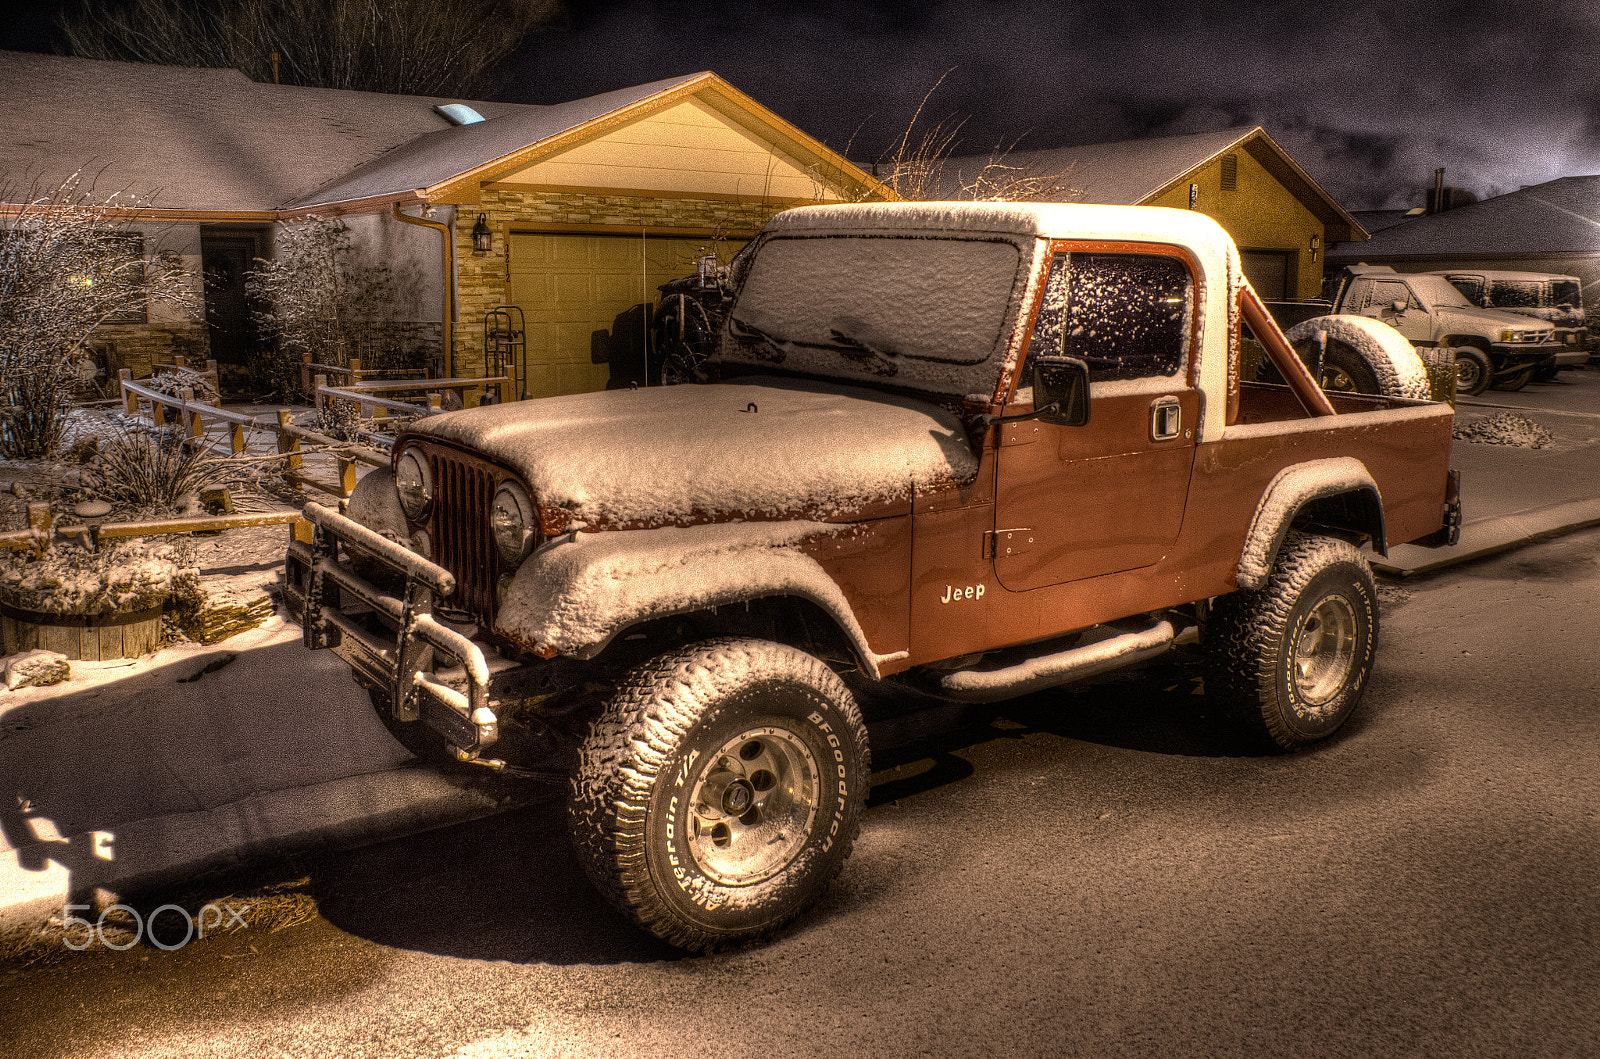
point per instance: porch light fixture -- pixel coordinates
(1316, 244)
(482, 240)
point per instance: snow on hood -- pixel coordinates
(1487, 319)
(747, 449)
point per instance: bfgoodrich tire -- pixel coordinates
(1291, 659)
(720, 791)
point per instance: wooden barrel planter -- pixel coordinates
(88, 637)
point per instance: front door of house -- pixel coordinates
(225, 258)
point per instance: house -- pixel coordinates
(580, 209)
(1279, 216)
(1549, 227)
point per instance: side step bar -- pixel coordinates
(1062, 667)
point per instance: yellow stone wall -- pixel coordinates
(1260, 214)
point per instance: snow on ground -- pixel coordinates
(1504, 428)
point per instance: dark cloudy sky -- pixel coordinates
(1368, 96)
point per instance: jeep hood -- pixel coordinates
(746, 450)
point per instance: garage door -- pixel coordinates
(585, 298)
(1268, 273)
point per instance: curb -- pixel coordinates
(343, 813)
(1490, 536)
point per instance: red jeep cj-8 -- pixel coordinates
(973, 449)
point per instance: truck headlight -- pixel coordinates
(414, 482)
(511, 523)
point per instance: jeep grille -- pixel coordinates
(461, 543)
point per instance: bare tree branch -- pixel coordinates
(416, 47)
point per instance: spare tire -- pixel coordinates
(1361, 355)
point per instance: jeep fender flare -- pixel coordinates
(1289, 493)
(576, 593)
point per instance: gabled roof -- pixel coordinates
(1131, 172)
(195, 139)
(1560, 216)
(450, 165)
(212, 141)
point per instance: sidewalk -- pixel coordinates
(1512, 495)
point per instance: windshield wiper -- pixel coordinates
(876, 360)
(743, 328)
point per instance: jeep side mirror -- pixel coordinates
(1398, 306)
(1064, 383)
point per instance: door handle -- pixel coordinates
(1166, 419)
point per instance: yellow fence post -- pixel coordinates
(286, 444)
(130, 400)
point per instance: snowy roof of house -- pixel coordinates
(1557, 216)
(1378, 220)
(1131, 172)
(212, 141)
(191, 138)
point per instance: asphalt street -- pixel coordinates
(1100, 870)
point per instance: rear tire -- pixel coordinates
(720, 791)
(1516, 380)
(1473, 370)
(1290, 660)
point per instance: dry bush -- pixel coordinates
(315, 300)
(69, 262)
(152, 472)
(410, 47)
(920, 168)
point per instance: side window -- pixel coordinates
(1126, 315)
(1471, 288)
(1357, 297)
(1386, 293)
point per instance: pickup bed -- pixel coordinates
(968, 450)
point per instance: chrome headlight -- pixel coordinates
(511, 523)
(414, 482)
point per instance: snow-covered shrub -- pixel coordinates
(316, 299)
(151, 472)
(119, 577)
(67, 265)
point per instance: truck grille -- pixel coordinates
(461, 544)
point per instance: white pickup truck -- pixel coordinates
(1491, 346)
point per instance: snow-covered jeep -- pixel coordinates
(965, 451)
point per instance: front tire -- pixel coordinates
(720, 791)
(1473, 370)
(1291, 659)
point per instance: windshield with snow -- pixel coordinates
(1436, 292)
(927, 313)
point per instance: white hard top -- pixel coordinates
(1051, 220)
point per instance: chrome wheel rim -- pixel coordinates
(752, 806)
(1337, 379)
(1467, 373)
(1324, 652)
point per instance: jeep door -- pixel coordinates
(1079, 502)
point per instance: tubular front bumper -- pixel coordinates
(338, 607)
